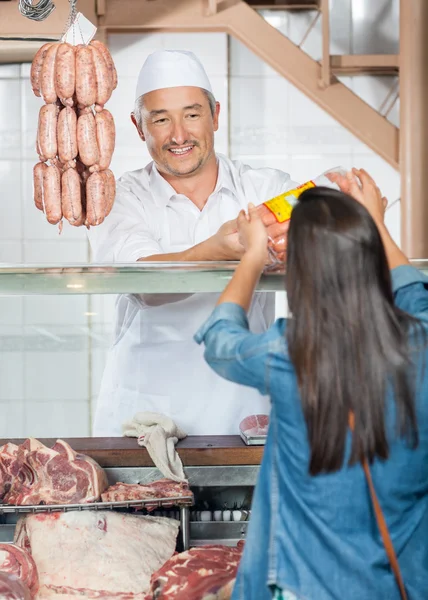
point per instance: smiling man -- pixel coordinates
(181, 207)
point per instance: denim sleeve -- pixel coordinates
(410, 288)
(231, 350)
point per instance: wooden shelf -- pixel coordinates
(193, 451)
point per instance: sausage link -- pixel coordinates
(38, 149)
(86, 89)
(52, 194)
(36, 68)
(110, 184)
(106, 138)
(48, 75)
(102, 77)
(71, 201)
(38, 171)
(107, 57)
(87, 139)
(95, 199)
(47, 137)
(65, 73)
(67, 134)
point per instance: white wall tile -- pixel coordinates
(304, 168)
(11, 252)
(10, 200)
(374, 89)
(25, 69)
(57, 419)
(11, 376)
(121, 104)
(375, 26)
(11, 310)
(10, 119)
(55, 310)
(31, 106)
(244, 63)
(9, 71)
(38, 252)
(210, 48)
(130, 50)
(12, 422)
(56, 375)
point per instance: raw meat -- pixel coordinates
(255, 425)
(18, 562)
(55, 475)
(9, 467)
(92, 554)
(205, 573)
(163, 488)
(11, 588)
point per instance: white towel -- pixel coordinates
(158, 434)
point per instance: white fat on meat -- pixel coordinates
(96, 554)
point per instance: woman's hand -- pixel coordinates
(253, 235)
(363, 188)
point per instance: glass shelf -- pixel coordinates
(140, 278)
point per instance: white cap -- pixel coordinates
(171, 68)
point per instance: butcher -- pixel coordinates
(182, 206)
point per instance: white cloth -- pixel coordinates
(171, 68)
(154, 364)
(158, 434)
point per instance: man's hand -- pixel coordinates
(225, 244)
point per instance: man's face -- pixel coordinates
(178, 128)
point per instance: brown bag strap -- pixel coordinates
(381, 523)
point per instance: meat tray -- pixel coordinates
(153, 503)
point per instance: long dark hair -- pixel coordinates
(346, 339)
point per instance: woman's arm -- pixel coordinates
(253, 237)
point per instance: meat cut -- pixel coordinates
(17, 562)
(9, 467)
(204, 573)
(163, 488)
(254, 425)
(88, 554)
(12, 588)
(41, 475)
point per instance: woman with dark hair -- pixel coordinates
(342, 492)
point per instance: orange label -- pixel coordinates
(281, 207)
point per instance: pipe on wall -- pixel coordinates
(414, 127)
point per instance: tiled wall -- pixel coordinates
(52, 349)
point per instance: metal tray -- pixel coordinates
(253, 440)
(152, 503)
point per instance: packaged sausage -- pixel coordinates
(279, 209)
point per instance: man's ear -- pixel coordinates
(140, 133)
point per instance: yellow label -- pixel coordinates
(281, 207)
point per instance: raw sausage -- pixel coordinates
(38, 171)
(86, 89)
(87, 139)
(65, 73)
(110, 190)
(95, 199)
(38, 150)
(107, 57)
(48, 75)
(52, 194)
(71, 201)
(103, 79)
(36, 67)
(48, 117)
(67, 135)
(106, 137)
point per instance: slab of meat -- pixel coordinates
(255, 425)
(55, 475)
(9, 467)
(12, 588)
(90, 554)
(163, 488)
(16, 561)
(205, 573)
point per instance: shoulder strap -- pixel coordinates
(381, 523)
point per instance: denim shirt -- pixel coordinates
(317, 537)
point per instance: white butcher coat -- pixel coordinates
(154, 364)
